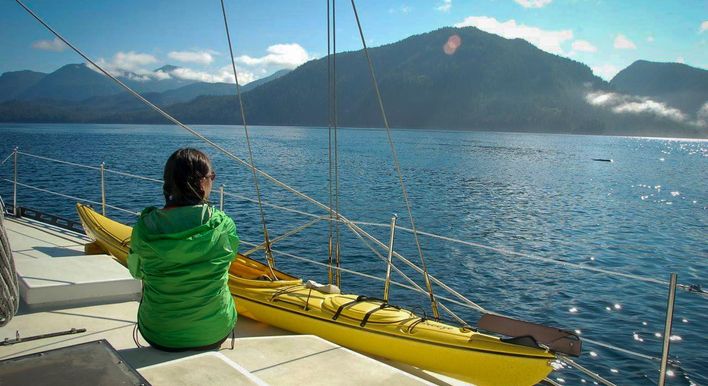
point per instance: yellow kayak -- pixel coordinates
(362, 324)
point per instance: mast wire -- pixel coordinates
(397, 165)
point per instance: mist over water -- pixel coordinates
(538, 195)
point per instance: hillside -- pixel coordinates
(487, 83)
(675, 84)
(13, 84)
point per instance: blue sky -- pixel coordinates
(269, 35)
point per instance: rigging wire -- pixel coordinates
(268, 252)
(396, 164)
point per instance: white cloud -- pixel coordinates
(702, 116)
(161, 75)
(546, 40)
(704, 27)
(127, 61)
(533, 3)
(279, 55)
(199, 57)
(50, 45)
(680, 59)
(444, 6)
(131, 65)
(605, 71)
(623, 43)
(650, 39)
(628, 104)
(224, 75)
(583, 46)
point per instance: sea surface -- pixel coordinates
(528, 213)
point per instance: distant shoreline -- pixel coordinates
(320, 127)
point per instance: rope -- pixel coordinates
(70, 197)
(503, 251)
(475, 307)
(334, 142)
(329, 145)
(268, 253)
(470, 304)
(397, 165)
(266, 203)
(685, 287)
(303, 195)
(187, 128)
(9, 289)
(372, 277)
(133, 176)
(284, 235)
(620, 349)
(59, 161)
(7, 158)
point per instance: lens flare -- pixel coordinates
(452, 44)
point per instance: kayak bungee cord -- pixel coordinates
(266, 242)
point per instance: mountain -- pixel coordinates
(485, 82)
(489, 83)
(12, 84)
(48, 107)
(72, 82)
(261, 81)
(675, 84)
(194, 90)
(152, 83)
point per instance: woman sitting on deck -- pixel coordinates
(182, 253)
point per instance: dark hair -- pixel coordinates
(184, 171)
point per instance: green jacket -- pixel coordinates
(182, 256)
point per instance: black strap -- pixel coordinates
(359, 299)
(416, 323)
(307, 302)
(381, 307)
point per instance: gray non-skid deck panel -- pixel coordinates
(210, 368)
(91, 363)
(53, 270)
(270, 354)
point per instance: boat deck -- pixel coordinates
(64, 289)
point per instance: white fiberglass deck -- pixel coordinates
(68, 290)
(53, 270)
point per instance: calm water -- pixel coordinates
(541, 195)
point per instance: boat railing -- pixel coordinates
(457, 298)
